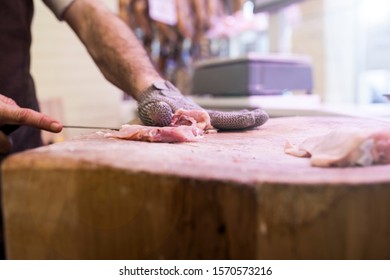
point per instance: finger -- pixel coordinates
(5, 143)
(16, 115)
(156, 114)
(6, 100)
(237, 120)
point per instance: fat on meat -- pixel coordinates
(345, 147)
(186, 126)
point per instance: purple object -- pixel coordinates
(253, 75)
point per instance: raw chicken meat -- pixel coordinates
(154, 134)
(345, 147)
(198, 118)
(186, 126)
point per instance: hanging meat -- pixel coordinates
(178, 42)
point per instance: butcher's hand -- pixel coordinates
(11, 116)
(157, 104)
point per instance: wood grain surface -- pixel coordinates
(231, 195)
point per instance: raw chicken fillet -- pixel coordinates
(345, 147)
(186, 126)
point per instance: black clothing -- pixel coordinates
(15, 79)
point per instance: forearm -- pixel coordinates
(112, 45)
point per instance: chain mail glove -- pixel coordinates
(158, 103)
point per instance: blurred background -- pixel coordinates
(341, 48)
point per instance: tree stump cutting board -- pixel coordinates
(231, 195)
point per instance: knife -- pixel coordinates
(88, 127)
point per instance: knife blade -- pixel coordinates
(89, 127)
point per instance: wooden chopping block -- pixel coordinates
(232, 195)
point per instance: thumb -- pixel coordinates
(5, 143)
(155, 113)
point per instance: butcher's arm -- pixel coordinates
(112, 45)
(124, 62)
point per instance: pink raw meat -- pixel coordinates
(154, 134)
(198, 118)
(186, 126)
(345, 147)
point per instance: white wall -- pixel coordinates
(62, 69)
(330, 32)
(342, 48)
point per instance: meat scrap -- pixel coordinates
(186, 126)
(345, 147)
(197, 118)
(154, 134)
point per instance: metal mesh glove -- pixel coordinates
(158, 103)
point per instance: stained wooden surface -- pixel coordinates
(232, 195)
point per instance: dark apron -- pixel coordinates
(15, 79)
